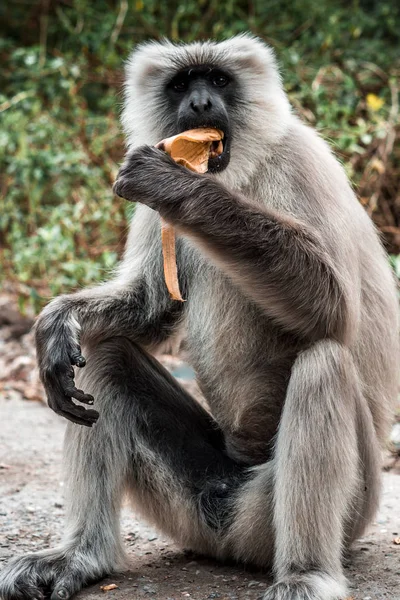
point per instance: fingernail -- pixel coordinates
(61, 594)
(80, 361)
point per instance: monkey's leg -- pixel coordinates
(153, 440)
(326, 471)
(96, 466)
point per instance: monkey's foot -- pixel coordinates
(57, 574)
(308, 586)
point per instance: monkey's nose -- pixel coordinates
(200, 102)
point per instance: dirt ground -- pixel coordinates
(31, 517)
(31, 500)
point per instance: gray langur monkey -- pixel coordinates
(291, 324)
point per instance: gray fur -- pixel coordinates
(291, 324)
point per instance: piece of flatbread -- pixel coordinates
(192, 149)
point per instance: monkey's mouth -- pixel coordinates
(218, 161)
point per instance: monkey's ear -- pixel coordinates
(147, 62)
(250, 53)
(251, 62)
(149, 70)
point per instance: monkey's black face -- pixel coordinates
(202, 96)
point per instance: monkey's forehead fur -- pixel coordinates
(260, 117)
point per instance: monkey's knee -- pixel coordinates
(111, 366)
(121, 361)
(323, 358)
(325, 373)
(111, 357)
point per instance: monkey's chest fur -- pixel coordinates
(242, 361)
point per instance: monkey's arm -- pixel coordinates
(276, 260)
(135, 306)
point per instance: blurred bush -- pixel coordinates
(60, 143)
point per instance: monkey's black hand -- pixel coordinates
(151, 177)
(57, 352)
(58, 381)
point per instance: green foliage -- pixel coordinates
(60, 142)
(59, 221)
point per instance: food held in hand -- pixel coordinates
(192, 149)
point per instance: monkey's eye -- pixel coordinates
(220, 80)
(181, 85)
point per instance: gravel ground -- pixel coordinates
(31, 517)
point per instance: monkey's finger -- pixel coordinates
(78, 411)
(63, 591)
(79, 415)
(121, 187)
(60, 594)
(64, 407)
(80, 395)
(67, 384)
(78, 360)
(75, 419)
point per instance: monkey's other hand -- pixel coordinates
(151, 177)
(58, 381)
(56, 355)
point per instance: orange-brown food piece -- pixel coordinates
(192, 149)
